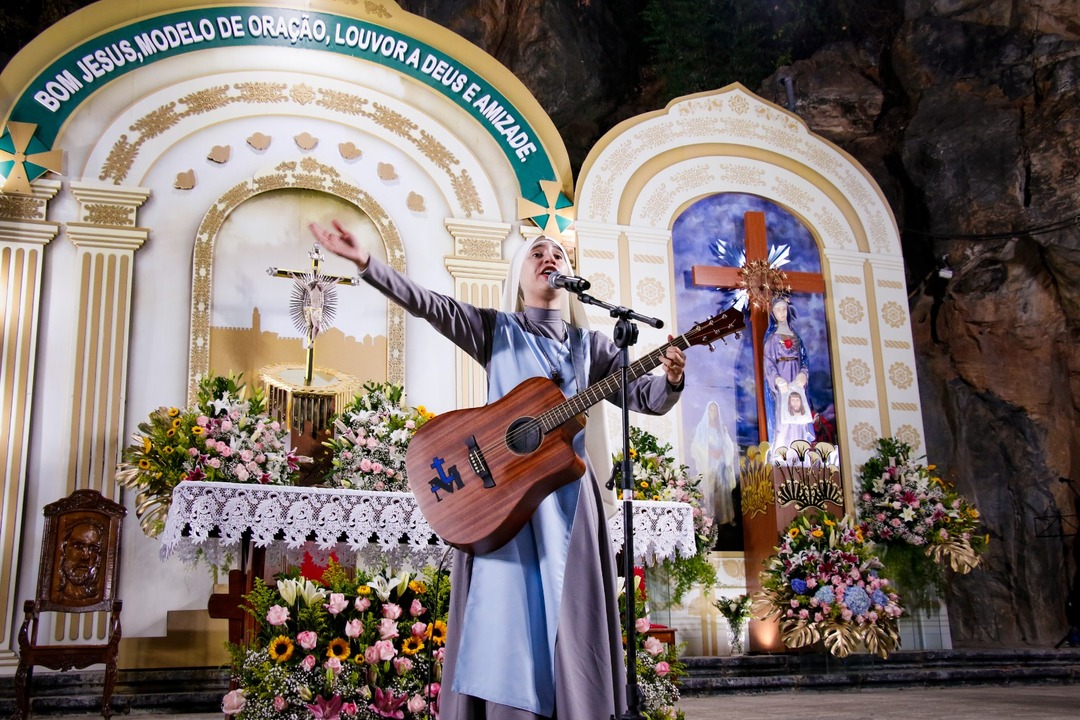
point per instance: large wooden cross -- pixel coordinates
(718, 276)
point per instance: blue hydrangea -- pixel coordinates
(857, 601)
(799, 586)
(880, 598)
(825, 595)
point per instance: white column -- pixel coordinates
(24, 233)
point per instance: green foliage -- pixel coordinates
(657, 476)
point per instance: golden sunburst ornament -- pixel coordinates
(762, 282)
(23, 158)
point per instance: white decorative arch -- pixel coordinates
(645, 172)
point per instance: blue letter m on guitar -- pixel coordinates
(444, 482)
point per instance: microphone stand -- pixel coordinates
(625, 335)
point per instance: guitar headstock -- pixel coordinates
(719, 326)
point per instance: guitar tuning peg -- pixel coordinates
(711, 348)
(738, 335)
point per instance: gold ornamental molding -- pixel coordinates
(168, 116)
(309, 174)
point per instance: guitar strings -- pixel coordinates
(640, 366)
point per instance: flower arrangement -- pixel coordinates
(657, 665)
(921, 524)
(823, 585)
(736, 610)
(657, 476)
(226, 436)
(366, 647)
(372, 435)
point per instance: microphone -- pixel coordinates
(569, 282)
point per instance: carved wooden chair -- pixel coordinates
(80, 564)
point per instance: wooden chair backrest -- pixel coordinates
(80, 553)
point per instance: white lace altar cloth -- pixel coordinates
(207, 521)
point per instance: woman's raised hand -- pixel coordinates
(341, 242)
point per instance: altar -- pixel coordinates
(211, 521)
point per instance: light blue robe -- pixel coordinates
(513, 642)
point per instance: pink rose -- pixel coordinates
(280, 703)
(233, 703)
(202, 420)
(439, 654)
(432, 690)
(662, 668)
(333, 665)
(353, 628)
(653, 646)
(361, 604)
(402, 665)
(337, 603)
(376, 467)
(307, 639)
(416, 705)
(365, 465)
(277, 615)
(385, 649)
(308, 663)
(224, 449)
(349, 709)
(387, 629)
(417, 609)
(392, 611)
(371, 655)
(419, 629)
(642, 625)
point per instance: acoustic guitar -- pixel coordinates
(479, 474)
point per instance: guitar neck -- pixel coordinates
(582, 401)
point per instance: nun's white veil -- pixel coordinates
(597, 439)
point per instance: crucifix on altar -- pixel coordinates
(762, 523)
(306, 398)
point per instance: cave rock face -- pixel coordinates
(975, 145)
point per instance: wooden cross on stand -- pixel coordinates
(717, 276)
(313, 302)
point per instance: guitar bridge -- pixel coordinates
(478, 463)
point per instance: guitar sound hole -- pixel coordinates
(523, 436)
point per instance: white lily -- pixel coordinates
(287, 589)
(402, 582)
(383, 586)
(311, 594)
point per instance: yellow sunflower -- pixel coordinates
(146, 444)
(412, 645)
(177, 422)
(144, 464)
(436, 632)
(197, 430)
(829, 521)
(417, 587)
(170, 432)
(339, 648)
(363, 590)
(644, 484)
(173, 412)
(817, 532)
(793, 533)
(281, 648)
